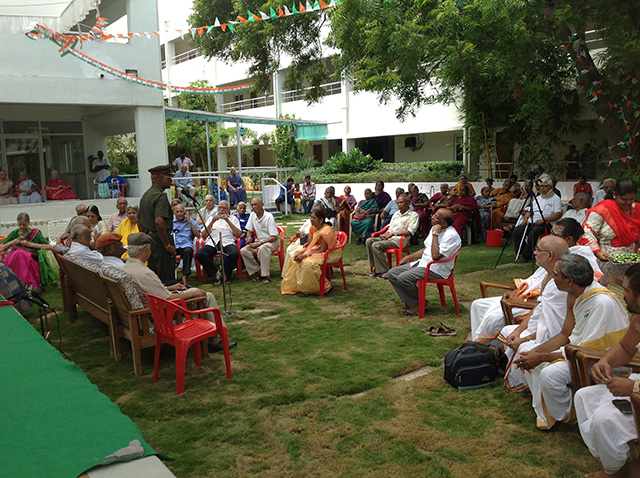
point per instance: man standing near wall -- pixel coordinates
(157, 218)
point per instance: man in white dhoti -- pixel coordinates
(547, 318)
(595, 319)
(604, 429)
(487, 318)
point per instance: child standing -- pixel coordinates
(297, 197)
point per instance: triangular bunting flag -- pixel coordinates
(209, 29)
(294, 9)
(323, 5)
(264, 16)
(181, 34)
(223, 26)
(242, 20)
(286, 11)
(231, 27)
(216, 23)
(155, 33)
(252, 17)
(316, 6)
(131, 35)
(273, 13)
(308, 7)
(200, 31)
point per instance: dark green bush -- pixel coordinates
(352, 162)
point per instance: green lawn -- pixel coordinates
(312, 392)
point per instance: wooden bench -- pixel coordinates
(104, 298)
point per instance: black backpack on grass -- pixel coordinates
(473, 365)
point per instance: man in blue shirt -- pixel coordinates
(184, 182)
(116, 184)
(184, 231)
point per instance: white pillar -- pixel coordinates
(169, 53)
(151, 140)
(347, 144)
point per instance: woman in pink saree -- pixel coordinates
(27, 257)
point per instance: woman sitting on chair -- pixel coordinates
(462, 207)
(346, 202)
(243, 218)
(130, 225)
(303, 271)
(58, 189)
(29, 191)
(28, 254)
(364, 217)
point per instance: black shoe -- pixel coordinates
(213, 348)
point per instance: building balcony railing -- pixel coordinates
(297, 95)
(249, 103)
(182, 57)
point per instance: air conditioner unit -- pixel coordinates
(410, 142)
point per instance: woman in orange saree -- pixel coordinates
(302, 273)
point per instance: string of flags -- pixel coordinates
(68, 43)
(97, 33)
(67, 48)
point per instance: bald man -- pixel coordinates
(442, 243)
(256, 254)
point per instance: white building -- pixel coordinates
(353, 120)
(57, 110)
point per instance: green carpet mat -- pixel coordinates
(53, 421)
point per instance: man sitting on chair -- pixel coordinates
(595, 319)
(184, 183)
(147, 282)
(605, 430)
(403, 223)
(441, 243)
(110, 246)
(116, 183)
(264, 225)
(224, 228)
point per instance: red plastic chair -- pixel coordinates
(396, 251)
(341, 240)
(280, 252)
(200, 274)
(422, 287)
(185, 334)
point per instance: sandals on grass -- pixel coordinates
(439, 330)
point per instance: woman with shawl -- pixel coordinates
(462, 207)
(364, 217)
(302, 273)
(29, 192)
(7, 190)
(613, 227)
(58, 189)
(27, 257)
(346, 202)
(235, 187)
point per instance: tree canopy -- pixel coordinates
(514, 66)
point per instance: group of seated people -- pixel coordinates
(572, 306)
(26, 191)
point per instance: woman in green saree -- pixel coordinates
(364, 217)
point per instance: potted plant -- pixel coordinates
(224, 137)
(265, 138)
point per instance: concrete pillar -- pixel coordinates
(169, 53)
(278, 92)
(151, 140)
(347, 144)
